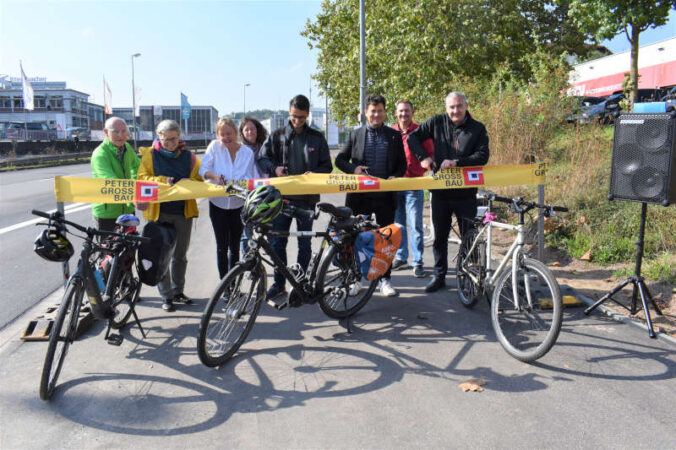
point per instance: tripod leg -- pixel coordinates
(642, 290)
(650, 297)
(608, 296)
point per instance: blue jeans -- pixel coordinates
(410, 206)
(283, 223)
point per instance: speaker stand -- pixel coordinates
(636, 281)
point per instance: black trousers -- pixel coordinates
(382, 204)
(228, 231)
(442, 218)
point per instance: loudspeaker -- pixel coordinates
(643, 167)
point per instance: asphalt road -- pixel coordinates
(25, 278)
(300, 381)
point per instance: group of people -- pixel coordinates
(246, 152)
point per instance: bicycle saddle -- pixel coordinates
(339, 212)
(343, 224)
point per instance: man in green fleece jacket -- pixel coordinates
(113, 159)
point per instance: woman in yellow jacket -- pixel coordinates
(167, 161)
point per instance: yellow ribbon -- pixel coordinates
(74, 189)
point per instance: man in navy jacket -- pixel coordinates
(375, 150)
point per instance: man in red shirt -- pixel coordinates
(410, 203)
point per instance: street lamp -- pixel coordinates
(133, 97)
(247, 84)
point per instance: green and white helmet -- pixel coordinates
(262, 205)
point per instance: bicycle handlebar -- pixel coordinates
(58, 217)
(519, 202)
(294, 211)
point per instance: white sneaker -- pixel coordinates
(386, 288)
(355, 288)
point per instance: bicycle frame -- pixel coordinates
(85, 272)
(515, 253)
(253, 257)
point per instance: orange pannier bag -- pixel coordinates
(375, 250)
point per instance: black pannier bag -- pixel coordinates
(155, 257)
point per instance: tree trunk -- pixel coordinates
(634, 66)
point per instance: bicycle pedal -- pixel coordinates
(115, 339)
(277, 306)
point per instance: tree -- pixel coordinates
(607, 18)
(418, 50)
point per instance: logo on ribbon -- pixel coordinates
(258, 182)
(146, 191)
(368, 183)
(473, 176)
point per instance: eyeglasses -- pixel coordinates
(117, 132)
(293, 116)
(174, 139)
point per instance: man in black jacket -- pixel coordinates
(375, 150)
(294, 150)
(459, 141)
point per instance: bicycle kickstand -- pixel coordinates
(136, 319)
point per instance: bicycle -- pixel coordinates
(454, 236)
(112, 291)
(526, 315)
(332, 279)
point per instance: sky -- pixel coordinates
(206, 49)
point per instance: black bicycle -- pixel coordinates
(106, 272)
(332, 279)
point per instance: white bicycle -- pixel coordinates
(526, 303)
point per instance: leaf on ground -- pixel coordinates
(473, 384)
(555, 264)
(586, 256)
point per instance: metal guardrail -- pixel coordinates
(40, 159)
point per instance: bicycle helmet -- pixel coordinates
(53, 245)
(262, 205)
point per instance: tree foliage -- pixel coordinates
(419, 50)
(607, 18)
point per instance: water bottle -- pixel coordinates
(99, 280)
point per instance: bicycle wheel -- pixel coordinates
(126, 294)
(527, 331)
(469, 268)
(230, 314)
(428, 234)
(338, 283)
(60, 338)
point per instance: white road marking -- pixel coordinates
(72, 208)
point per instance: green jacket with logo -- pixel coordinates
(106, 165)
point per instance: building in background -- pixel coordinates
(603, 76)
(201, 124)
(56, 105)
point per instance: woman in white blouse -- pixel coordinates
(227, 160)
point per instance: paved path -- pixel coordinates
(301, 381)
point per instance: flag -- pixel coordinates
(107, 97)
(185, 107)
(27, 91)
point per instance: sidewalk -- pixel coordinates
(300, 381)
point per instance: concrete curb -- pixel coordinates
(621, 317)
